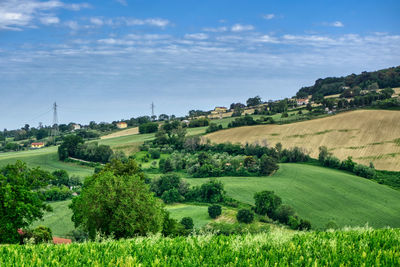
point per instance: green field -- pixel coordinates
(59, 220)
(46, 159)
(360, 247)
(322, 195)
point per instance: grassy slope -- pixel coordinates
(59, 220)
(45, 158)
(321, 195)
(366, 135)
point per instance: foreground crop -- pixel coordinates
(348, 248)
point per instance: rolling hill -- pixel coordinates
(366, 135)
(321, 195)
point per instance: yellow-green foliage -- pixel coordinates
(362, 247)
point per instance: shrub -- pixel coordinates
(214, 211)
(304, 225)
(267, 165)
(149, 127)
(154, 153)
(40, 234)
(245, 216)
(283, 213)
(266, 202)
(364, 171)
(167, 167)
(171, 196)
(213, 128)
(293, 222)
(187, 223)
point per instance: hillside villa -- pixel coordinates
(302, 101)
(76, 127)
(37, 145)
(122, 125)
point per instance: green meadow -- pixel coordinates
(321, 195)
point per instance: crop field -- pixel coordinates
(366, 135)
(126, 132)
(59, 220)
(45, 158)
(321, 195)
(358, 247)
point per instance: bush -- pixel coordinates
(283, 213)
(154, 153)
(167, 166)
(293, 222)
(149, 127)
(171, 196)
(245, 216)
(187, 223)
(304, 225)
(364, 171)
(213, 128)
(267, 165)
(266, 202)
(40, 234)
(214, 211)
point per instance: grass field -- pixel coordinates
(130, 131)
(366, 135)
(46, 159)
(59, 220)
(322, 195)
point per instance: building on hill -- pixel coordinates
(220, 109)
(37, 145)
(122, 125)
(76, 127)
(302, 101)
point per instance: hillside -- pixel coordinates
(322, 195)
(366, 135)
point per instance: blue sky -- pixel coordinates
(108, 60)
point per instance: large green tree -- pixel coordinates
(266, 202)
(20, 201)
(117, 201)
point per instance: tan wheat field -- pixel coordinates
(366, 135)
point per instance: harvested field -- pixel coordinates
(126, 132)
(366, 135)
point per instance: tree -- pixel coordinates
(267, 165)
(117, 201)
(253, 101)
(266, 203)
(283, 213)
(21, 201)
(214, 211)
(148, 127)
(61, 177)
(69, 146)
(171, 196)
(323, 153)
(187, 222)
(245, 216)
(167, 166)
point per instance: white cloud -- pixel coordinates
(96, 21)
(269, 16)
(17, 14)
(73, 25)
(197, 36)
(113, 41)
(337, 24)
(122, 2)
(240, 28)
(218, 29)
(157, 22)
(49, 20)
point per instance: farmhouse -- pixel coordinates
(76, 127)
(302, 101)
(37, 145)
(122, 125)
(220, 109)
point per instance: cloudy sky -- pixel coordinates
(107, 60)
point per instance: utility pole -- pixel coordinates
(54, 130)
(152, 111)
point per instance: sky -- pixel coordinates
(107, 60)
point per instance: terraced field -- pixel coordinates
(366, 135)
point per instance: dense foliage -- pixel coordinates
(366, 80)
(21, 202)
(148, 127)
(337, 248)
(116, 201)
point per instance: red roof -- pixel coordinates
(38, 144)
(59, 240)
